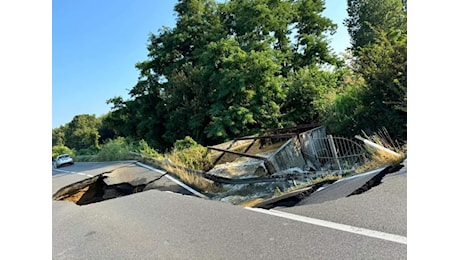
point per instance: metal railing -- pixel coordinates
(335, 153)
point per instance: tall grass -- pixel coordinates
(378, 157)
(186, 156)
(200, 183)
(189, 154)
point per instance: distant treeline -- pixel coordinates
(237, 68)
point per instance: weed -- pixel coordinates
(379, 157)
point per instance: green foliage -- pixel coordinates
(365, 17)
(311, 47)
(59, 136)
(115, 150)
(221, 71)
(106, 131)
(82, 132)
(379, 35)
(185, 143)
(247, 92)
(383, 66)
(61, 149)
(340, 108)
(146, 150)
(85, 158)
(307, 88)
(190, 154)
(234, 68)
(88, 151)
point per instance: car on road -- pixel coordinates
(62, 160)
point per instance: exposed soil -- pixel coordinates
(75, 197)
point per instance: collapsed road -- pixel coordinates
(165, 225)
(136, 177)
(126, 179)
(301, 158)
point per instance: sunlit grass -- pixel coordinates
(181, 161)
(191, 179)
(379, 157)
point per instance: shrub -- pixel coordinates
(115, 150)
(190, 154)
(60, 149)
(185, 143)
(146, 150)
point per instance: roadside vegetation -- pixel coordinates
(380, 157)
(238, 68)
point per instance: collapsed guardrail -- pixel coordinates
(295, 156)
(306, 152)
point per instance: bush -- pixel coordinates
(60, 149)
(146, 150)
(115, 150)
(84, 158)
(185, 143)
(190, 154)
(92, 150)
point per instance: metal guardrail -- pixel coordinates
(326, 153)
(335, 153)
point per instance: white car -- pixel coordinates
(63, 159)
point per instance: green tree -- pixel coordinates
(222, 71)
(340, 109)
(378, 30)
(311, 46)
(307, 88)
(58, 135)
(246, 93)
(106, 131)
(383, 66)
(82, 132)
(367, 17)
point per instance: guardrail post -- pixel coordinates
(334, 151)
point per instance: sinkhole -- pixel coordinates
(117, 183)
(132, 179)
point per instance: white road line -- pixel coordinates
(333, 225)
(183, 185)
(84, 174)
(80, 173)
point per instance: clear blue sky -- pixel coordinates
(95, 45)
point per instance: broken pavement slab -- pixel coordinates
(119, 182)
(331, 190)
(350, 185)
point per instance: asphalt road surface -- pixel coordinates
(158, 224)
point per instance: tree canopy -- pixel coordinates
(224, 70)
(235, 68)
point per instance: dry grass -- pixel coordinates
(196, 158)
(172, 163)
(379, 157)
(192, 179)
